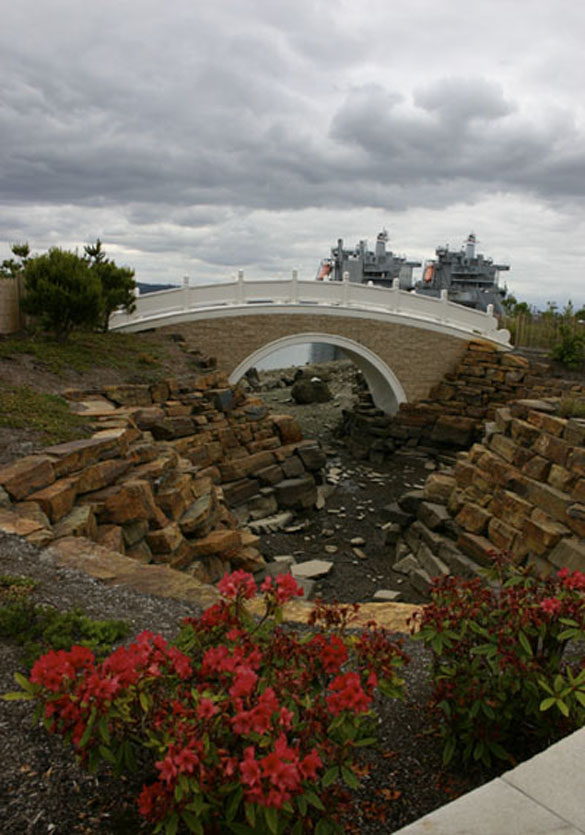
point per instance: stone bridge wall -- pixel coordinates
(418, 357)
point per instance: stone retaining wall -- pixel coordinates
(453, 415)
(168, 476)
(521, 491)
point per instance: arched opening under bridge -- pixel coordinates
(385, 387)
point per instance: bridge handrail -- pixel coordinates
(340, 294)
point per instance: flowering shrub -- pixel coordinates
(501, 675)
(249, 727)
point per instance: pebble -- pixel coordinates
(357, 540)
(359, 553)
(331, 549)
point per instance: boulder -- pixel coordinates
(310, 390)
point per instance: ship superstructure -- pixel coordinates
(469, 278)
(363, 266)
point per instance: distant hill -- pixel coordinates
(153, 288)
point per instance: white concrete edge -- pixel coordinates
(499, 338)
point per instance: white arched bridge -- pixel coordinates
(403, 342)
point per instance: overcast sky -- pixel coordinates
(196, 138)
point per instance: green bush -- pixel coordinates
(501, 676)
(570, 347)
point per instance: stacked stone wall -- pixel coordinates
(454, 414)
(169, 475)
(520, 491)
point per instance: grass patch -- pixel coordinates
(83, 351)
(47, 414)
(38, 629)
(572, 407)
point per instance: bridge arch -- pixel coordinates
(385, 387)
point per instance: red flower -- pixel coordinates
(551, 605)
(206, 709)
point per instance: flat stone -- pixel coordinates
(387, 595)
(271, 524)
(313, 457)
(57, 499)
(116, 569)
(26, 475)
(311, 569)
(434, 566)
(569, 553)
(406, 565)
(217, 542)
(101, 475)
(132, 501)
(196, 515)
(433, 515)
(410, 501)
(296, 492)
(394, 513)
(420, 580)
(79, 522)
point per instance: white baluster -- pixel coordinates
(240, 292)
(346, 289)
(185, 292)
(295, 286)
(444, 316)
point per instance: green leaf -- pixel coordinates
(323, 827)
(87, 732)
(349, 778)
(193, 822)
(250, 811)
(314, 800)
(580, 696)
(449, 750)
(104, 729)
(144, 701)
(297, 828)
(172, 824)
(233, 804)
(17, 696)
(563, 707)
(361, 743)
(107, 754)
(271, 816)
(26, 685)
(525, 643)
(302, 804)
(330, 776)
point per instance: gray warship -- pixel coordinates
(363, 266)
(468, 277)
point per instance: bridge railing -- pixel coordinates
(151, 307)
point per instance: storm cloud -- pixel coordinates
(201, 138)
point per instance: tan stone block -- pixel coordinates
(221, 542)
(159, 391)
(555, 449)
(548, 498)
(568, 553)
(11, 522)
(578, 492)
(197, 514)
(116, 569)
(473, 518)
(79, 522)
(548, 423)
(514, 361)
(561, 478)
(501, 534)
(26, 475)
(495, 470)
(510, 508)
(576, 461)
(166, 540)
(523, 432)
(503, 446)
(111, 537)
(541, 533)
(97, 476)
(503, 418)
(248, 559)
(479, 548)
(537, 468)
(57, 499)
(129, 502)
(265, 444)
(129, 394)
(242, 467)
(438, 487)
(140, 552)
(31, 510)
(133, 532)
(288, 428)
(574, 433)
(176, 499)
